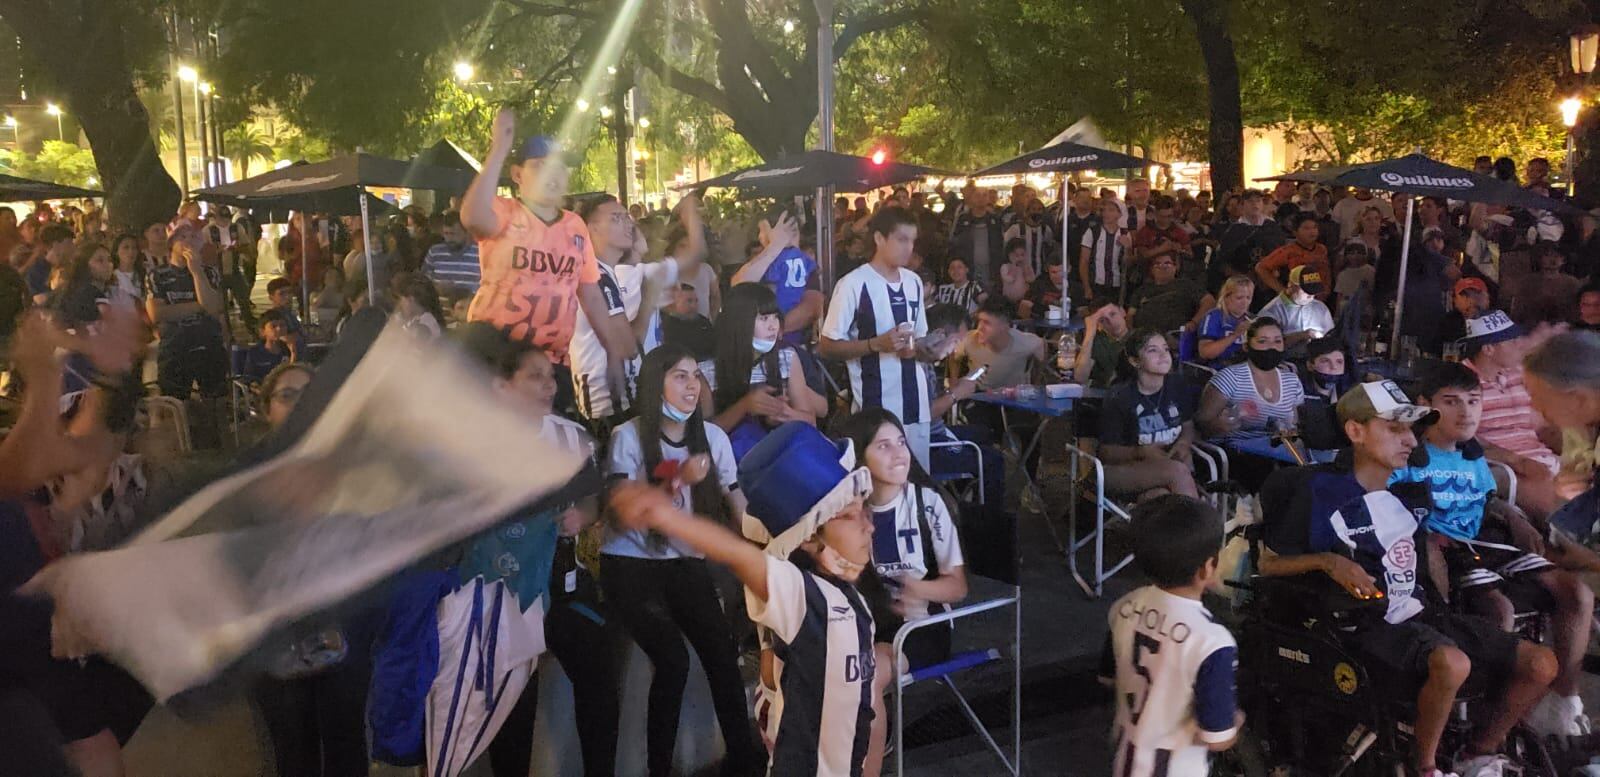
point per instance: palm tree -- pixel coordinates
(245, 142)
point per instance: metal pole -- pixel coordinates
(619, 131)
(366, 247)
(1572, 168)
(305, 266)
(1400, 293)
(177, 107)
(200, 130)
(824, 204)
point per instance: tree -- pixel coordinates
(92, 53)
(57, 162)
(1226, 133)
(244, 143)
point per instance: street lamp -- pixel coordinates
(1583, 44)
(464, 71)
(644, 123)
(605, 111)
(583, 105)
(188, 74)
(55, 110)
(1569, 111)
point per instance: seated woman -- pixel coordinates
(417, 308)
(1246, 401)
(1146, 424)
(915, 551)
(761, 383)
(1222, 331)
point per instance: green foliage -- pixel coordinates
(57, 162)
(246, 143)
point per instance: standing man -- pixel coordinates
(979, 236)
(1348, 211)
(1305, 249)
(452, 262)
(1138, 211)
(1162, 236)
(874, 320)
(185, 303)
(536, 260)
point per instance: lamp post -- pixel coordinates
(16, 136)
(1583, 45)
(55, 110)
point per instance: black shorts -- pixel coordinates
(1477, 565)
(193, 353)
(1401, 650)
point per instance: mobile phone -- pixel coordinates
(977, 374)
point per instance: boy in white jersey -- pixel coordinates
(875, 322)
(808, 496)
(1172, 662)
(1345, 520)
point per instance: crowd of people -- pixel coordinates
(697, 358)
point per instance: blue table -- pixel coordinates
(1378, 366)
(1263, 447)
(1045, 408)
(1047, 325)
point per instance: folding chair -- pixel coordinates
(241, 390)
(1004, 596)
(1102, 504)
(172, 409)
(972, 478)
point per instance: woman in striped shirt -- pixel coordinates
(1251, 399)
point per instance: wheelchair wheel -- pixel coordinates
(1246, 758)
(1529, 750)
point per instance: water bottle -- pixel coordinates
(1066, 355)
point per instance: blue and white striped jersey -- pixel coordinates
(866, 305)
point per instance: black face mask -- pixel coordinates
(1264, 358)
(1325, 381)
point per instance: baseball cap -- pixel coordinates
(1471, 284)
(1308, 279)
(1492, 327)
(535, 147)
(1381, 399)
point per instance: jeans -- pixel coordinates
(660, 602)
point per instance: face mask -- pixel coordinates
(1264, 358)
(1325, 381)
(839, 566)
(673, 414)
(762, 346)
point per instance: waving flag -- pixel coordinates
(412, 453)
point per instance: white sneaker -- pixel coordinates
(1557, 716)
(1492, 765)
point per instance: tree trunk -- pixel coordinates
(1225, 141)
(98, 90)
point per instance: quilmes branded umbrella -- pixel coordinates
(805, 172)
(307, 186)
(1419, 175)
(14, 189)
(1066, 157)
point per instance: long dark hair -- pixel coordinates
(1132, 347)
(706, 496)
(76, 272)
(736, 325)
(140, 264)
(422, 291)
(861, 427)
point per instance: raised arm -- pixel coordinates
(477, 205)
(780, 236)
(638, 506)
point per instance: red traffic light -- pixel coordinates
(879, 156)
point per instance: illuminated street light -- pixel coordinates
(644, 123)
(205, 88)
(188, 74)
(788, 27)
(55, 110)
(611, 70)
(1569, 111)
(583, 105)
(11, 121)
(464, 71)
(605, 111)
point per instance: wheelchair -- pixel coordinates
(1313, 706)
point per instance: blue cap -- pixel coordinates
(536, 147)
(795, 480)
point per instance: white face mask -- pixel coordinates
(839, 566)
(762, 346)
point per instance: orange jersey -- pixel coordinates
(531, 271)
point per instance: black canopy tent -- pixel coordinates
(317, 185)
(1066, 157)
(14, 189)
(1421, 176)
